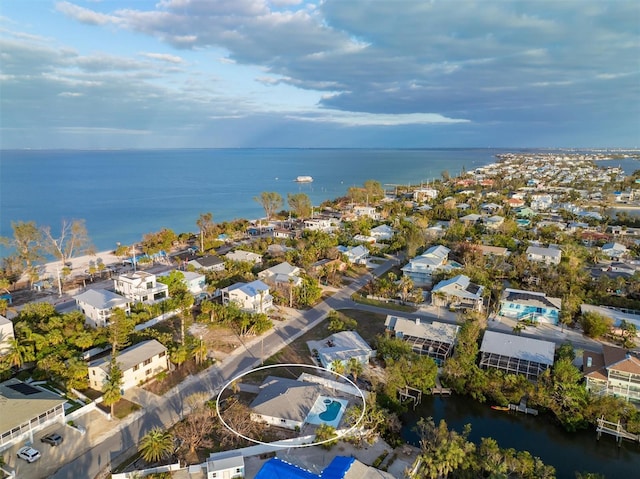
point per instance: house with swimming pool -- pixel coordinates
(291, 404)
(530, 305)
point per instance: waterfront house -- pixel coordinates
(97, 305)
(253, 297)
(458, 291)
(355, 254)
(6, 334)
(516, 354)
(141, 287)
(245, 256)
(138, 364)
(530, 306)
(208, 262)
(26, 409)
(433, 339)
(613, 372)
(421, 268)
(544, 255)
(285, 402)
(341, 346)
(614, 250)
(282, 274)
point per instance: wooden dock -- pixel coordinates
(439, 389)
(522, 407)
(616, 430)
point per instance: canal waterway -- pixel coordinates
(567, 452)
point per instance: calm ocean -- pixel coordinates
(123, 194)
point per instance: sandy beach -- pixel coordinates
(80, 264)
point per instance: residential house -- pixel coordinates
(26, 409)
(525, 212)
(516, 354)
(282, 274)
(6, 334)
(364, 239)
(225, 465)
(494, 222)
(530, 306)
(471, 218)
(138, 364)
(421, 268)
(614, 250)
(195, 282)
(355, 254)
(514, 202)
(253, 297)
(366, 212)
(490, 207)
(541, 202)
(421, 195)
(613, 372)
(493, 250)
(458, 291)
(341, 347)
(433, 339)
(141, 287)
(285, 402)
(246, 256)
(544, 255)
(382, 233)
(318, 224)
(208, 262)
(97, 305)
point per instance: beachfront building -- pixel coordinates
(341, 346)
(26, 409)
(138, 364)
(253, 297)
(421, 268)
(544, 255)
(141, 287)
(516, 354)
(6, 334)
(244, 256)
(97, 305)
(530, 306)
(433, 339)
(282, 274)
(458, 291)
(613, 372)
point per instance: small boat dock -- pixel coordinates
(616, 430)
(522, 407)
(439, 389)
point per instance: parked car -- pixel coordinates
(29, 454)
(53, 439)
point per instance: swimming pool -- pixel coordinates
(327, 410)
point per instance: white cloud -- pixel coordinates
(372, 119)
(165, 57)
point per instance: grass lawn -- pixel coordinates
(121, 409)
(373, 302)
(161, 385)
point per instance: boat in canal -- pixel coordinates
(304, 179)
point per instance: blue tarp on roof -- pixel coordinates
(338, 468)
(278, 469)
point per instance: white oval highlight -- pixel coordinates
(287, 445)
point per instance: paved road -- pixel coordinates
(120, 443)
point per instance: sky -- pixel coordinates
(321, 73)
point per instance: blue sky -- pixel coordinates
(323, 73)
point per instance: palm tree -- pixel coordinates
(354, 366)
(111, 390)
(17, 354)
(156, 445)
(200, 351)
(337, 367)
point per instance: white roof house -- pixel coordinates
(459, 289)
(141, 287)
(195, 282)
(282, 273)
(208, 262)
(516, 354)
(366, 211)
(226, 465)
(253, 297)
(356, 254)
(98, 304)
(248, 256)
(382, 232)
(544, 255)
(421, 268)
(138, 363)
(341, 346)
(614, 250)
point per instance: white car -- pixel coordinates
(29, 454)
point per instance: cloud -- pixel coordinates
(165, 57)
(83, 15)
(372, 119)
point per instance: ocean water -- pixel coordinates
(122, 194)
